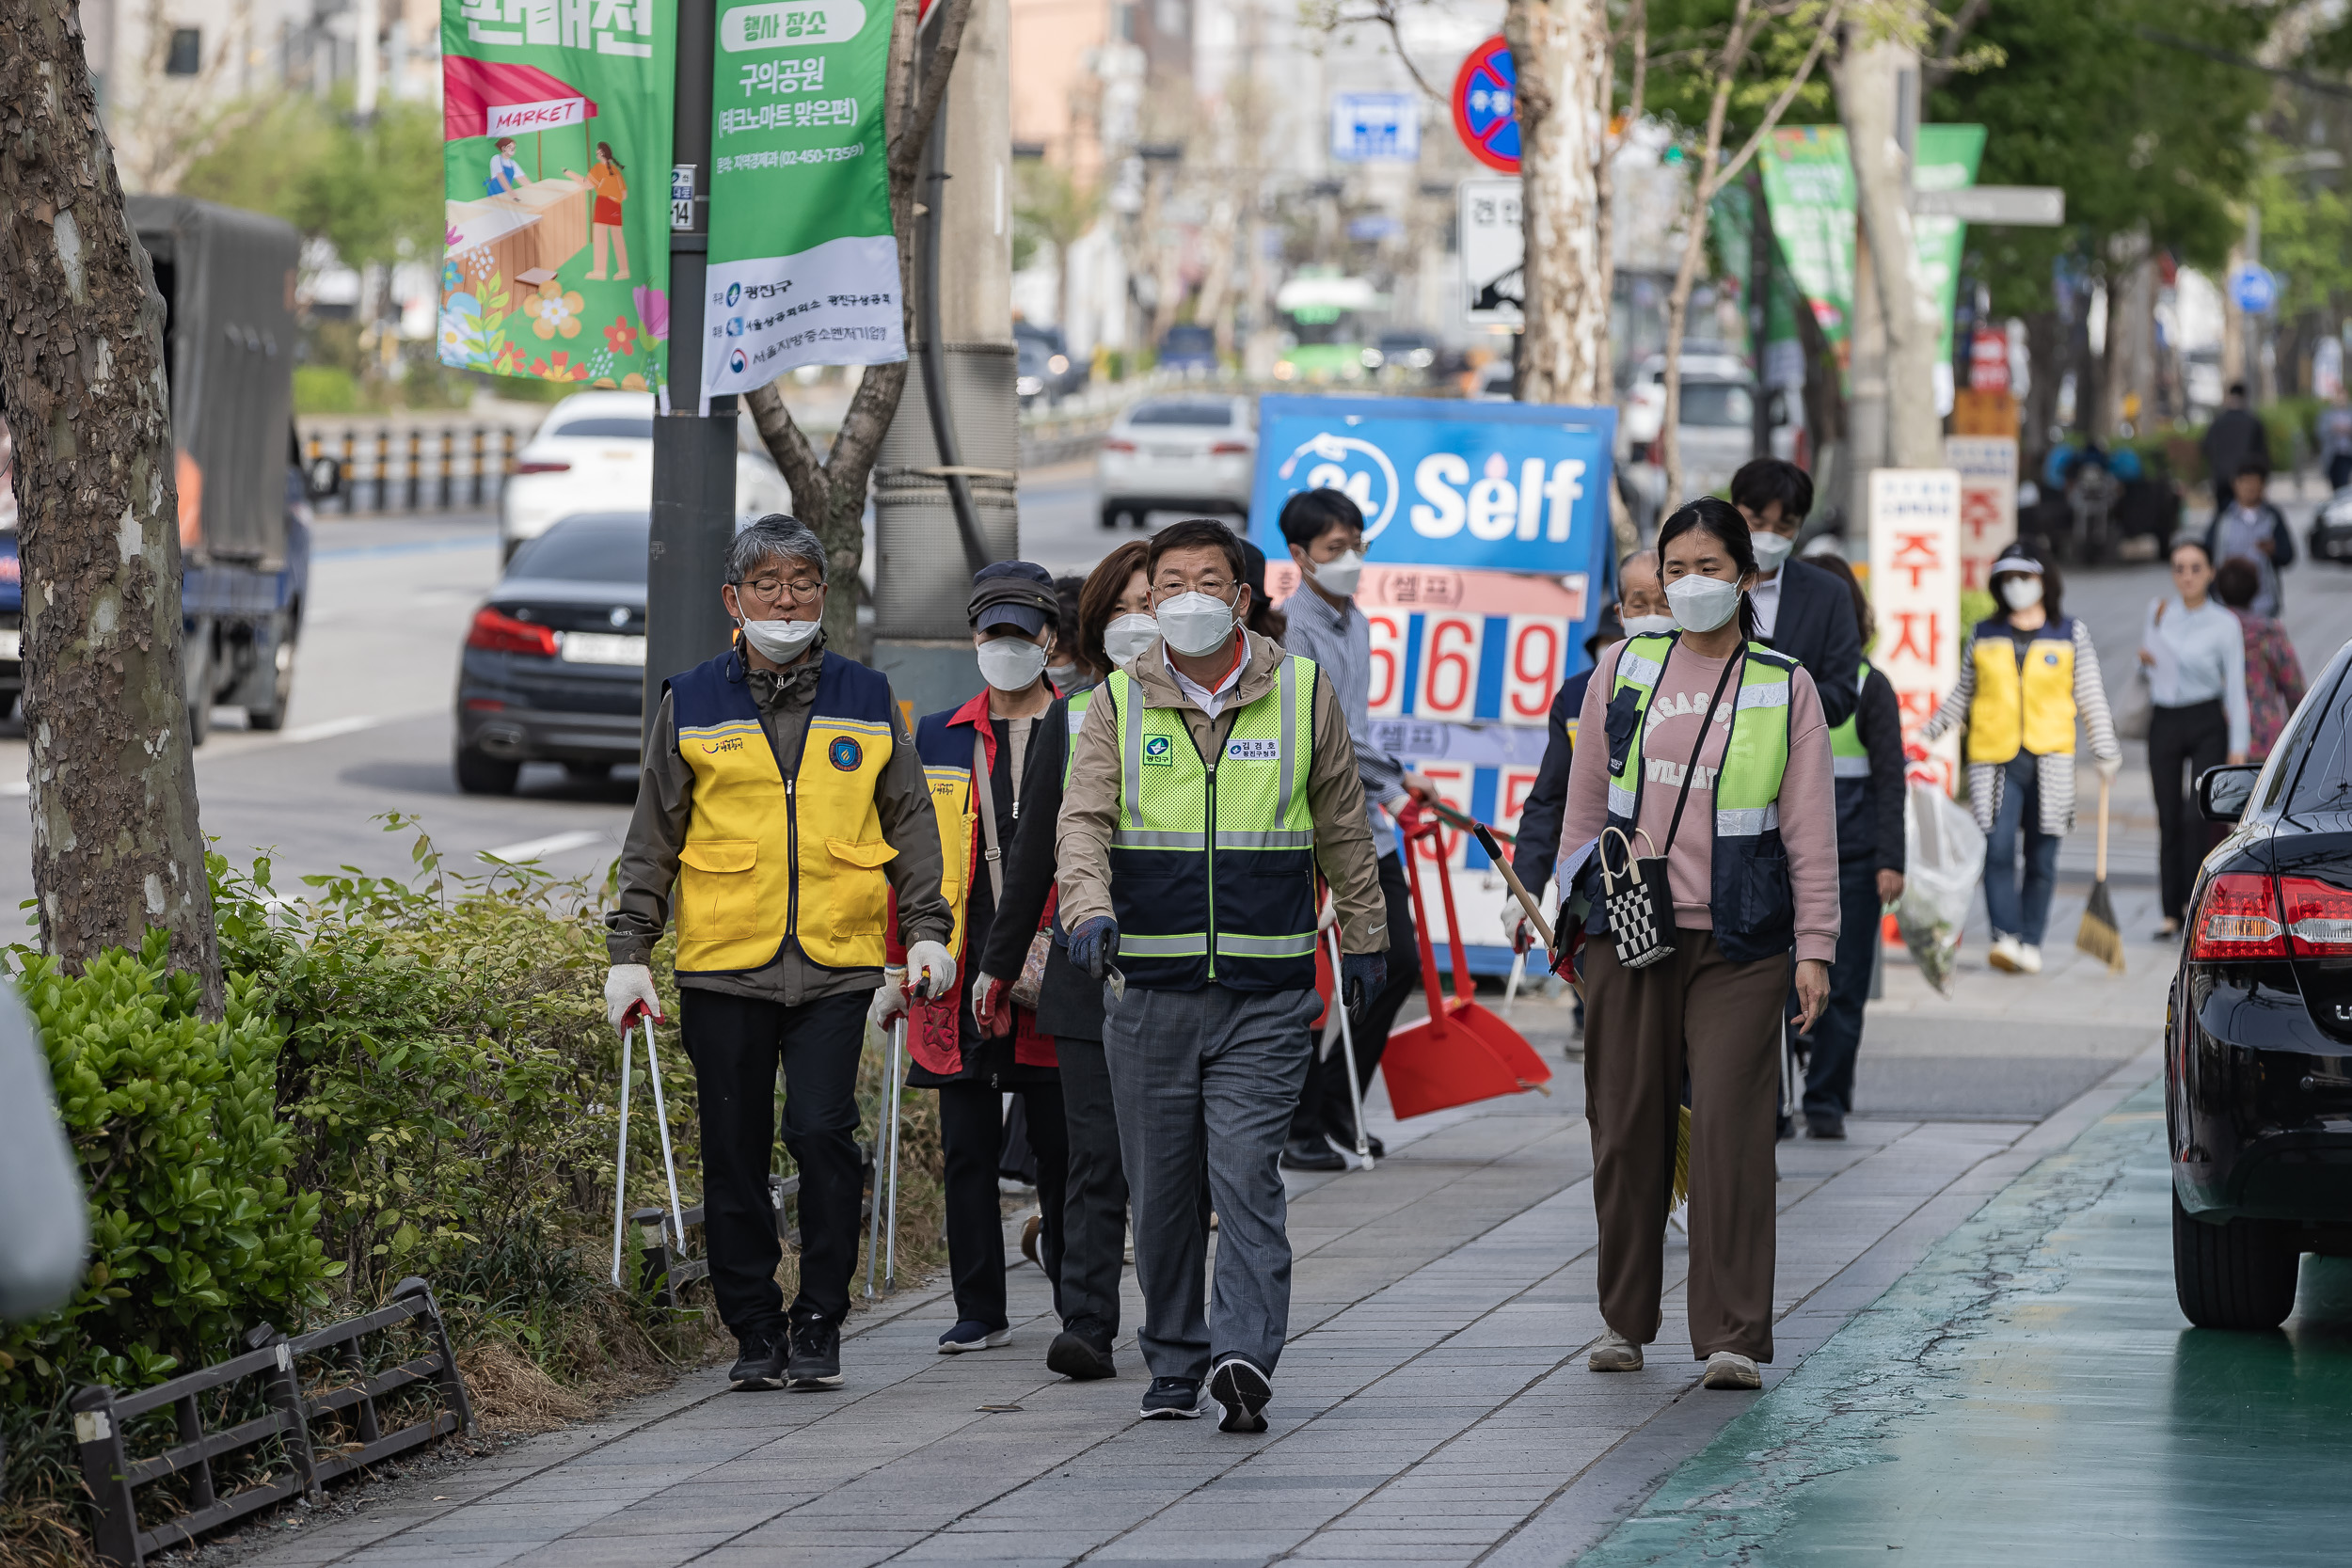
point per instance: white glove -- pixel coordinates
(890, 999)
(2110, 766)
(629, 987)
(933, 968)
(1517, 934)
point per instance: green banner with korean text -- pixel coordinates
(557, 118)
(803, 262)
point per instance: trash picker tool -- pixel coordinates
(1347, 1048)
(620, 1161)
(896, 1073)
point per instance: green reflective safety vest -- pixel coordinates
(1077, 713)
(1848, 757)
(1213, 866)
(1850, 760)
(1749, 898)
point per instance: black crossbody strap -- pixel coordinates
(1691, 769)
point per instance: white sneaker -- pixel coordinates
(1613, 1352)
(2008, 955)
(1728, 1369)
(2029, 959)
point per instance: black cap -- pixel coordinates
(1014, 594)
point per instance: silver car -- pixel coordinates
(1189, 452)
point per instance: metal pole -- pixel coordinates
(896, 1090)
(620, 1162)
(661, 1119)
(694, 456)
(1348, 1049)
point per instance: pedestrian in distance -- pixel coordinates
(1639, 611)
(1866, 758)
(2249, 529)
(2274, 676)
(1326, 535)
(1800, 609)
(1114, 624)
(1211, 778)
(1067, 669)
(2193, 651)
(782, 807)
(2027, 676)
(2335, 441)
(975, 757)
(2236, 437)
(1264, 619)
(1717, 761)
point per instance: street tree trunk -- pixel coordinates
(1866, 79)
(116, 845)
(1559, 49)
(829, 495)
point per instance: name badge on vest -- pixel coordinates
(1253, 750)
(1158, 752)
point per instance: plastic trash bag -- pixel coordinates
(1944, 854)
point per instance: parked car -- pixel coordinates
(2258, 1059)
(1033, 372)
(1716, 430)
(1401, 356)
(2331, 537)
(595, 451)
(555, 664)
(1063, 372)
(1188, 351)
(1184, 453)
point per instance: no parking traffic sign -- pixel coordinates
(1485, 105)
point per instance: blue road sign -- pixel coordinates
(2254, 290)
(1376, 128)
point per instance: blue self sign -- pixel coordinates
(1494, 487)
(1376, 128)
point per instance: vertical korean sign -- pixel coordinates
(1914, 593)
(556, 126)
(1987, 466)
(803, 262)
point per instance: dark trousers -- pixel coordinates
(2198, 737)
(1838, 1033)
(737, 1045)
(971, 1134)
(1094, 1214)
(1325, 1106)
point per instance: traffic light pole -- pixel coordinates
(693, 454)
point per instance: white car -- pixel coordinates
(1188, 452)
(1716, 430)
(594, 452)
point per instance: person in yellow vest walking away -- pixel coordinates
(782, 805)
(2027, 675)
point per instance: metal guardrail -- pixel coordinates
(349, 1398)
(416, 469)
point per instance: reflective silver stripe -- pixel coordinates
(1234, 944)
(1187, 944)
(1849, 768)
(1773, 695)
(1747, 822)
(1131, 746)
(1638, 668)
(1302, 838)
(1621, 802)
(1138, 838)
(1286, 687)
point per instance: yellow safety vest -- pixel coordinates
(2032, 709)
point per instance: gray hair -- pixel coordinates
(778, 535)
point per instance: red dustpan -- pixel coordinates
(1461, 1052)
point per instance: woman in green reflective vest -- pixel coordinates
(1708, 725)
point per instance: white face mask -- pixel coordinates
(1338, 577)
(1129, 635)
(1012, 663)
(1700, 603)
(2021, 593)
(780, 640)
(1771, 549)
(1648, 626)
(1196, 624)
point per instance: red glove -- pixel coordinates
(991, 1003)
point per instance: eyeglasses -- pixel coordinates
(772, 590)
(1208, 583)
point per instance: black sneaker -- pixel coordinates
(1082, 1351)
(816, 1355)
(1312, 1154)
(1241, 1392)
(1825, 1124)
(1172, 1398)
(761, 1363)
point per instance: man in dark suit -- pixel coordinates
(2236, 437)
(1800, 610)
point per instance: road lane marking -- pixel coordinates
(539, 848)
(414, 547)
(327, 729)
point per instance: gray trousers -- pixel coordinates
(1207, 1080)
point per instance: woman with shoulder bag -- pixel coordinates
(2195, 655)
(1714, 803)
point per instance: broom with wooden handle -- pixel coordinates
(2099, 935)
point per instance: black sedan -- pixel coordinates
(554, 664)
(2258, 1061)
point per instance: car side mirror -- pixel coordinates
(2222, 793)
(323, 477)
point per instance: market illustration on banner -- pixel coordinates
(553, 268)
(1486, 529)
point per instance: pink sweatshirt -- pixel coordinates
(1808, 792)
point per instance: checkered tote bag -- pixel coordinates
(1637, 899)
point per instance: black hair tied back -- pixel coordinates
(1721, 521)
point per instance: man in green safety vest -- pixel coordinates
(1210, 781)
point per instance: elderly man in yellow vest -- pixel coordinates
(782, 804)
(1211, 778)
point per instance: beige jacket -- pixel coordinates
(1335, 795)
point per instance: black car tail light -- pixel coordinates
(498, 633)
(2238, 920)
(2319, 916)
